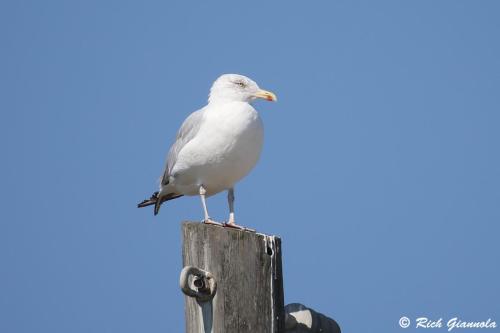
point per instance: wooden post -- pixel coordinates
(246, 267)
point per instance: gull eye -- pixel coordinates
(240, 83)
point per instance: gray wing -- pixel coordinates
(186, 133)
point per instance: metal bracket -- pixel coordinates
(301, 319)
(197, 283)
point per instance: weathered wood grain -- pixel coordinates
(248, 272)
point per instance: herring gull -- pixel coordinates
(215, 147)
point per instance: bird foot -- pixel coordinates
(212, 222)
(236, 226)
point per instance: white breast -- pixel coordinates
(225, 149)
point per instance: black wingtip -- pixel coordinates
(148, 202)
(154, 200)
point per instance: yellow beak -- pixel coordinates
(267, 95)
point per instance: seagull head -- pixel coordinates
(237, 88)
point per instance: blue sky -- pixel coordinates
(380, 169)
